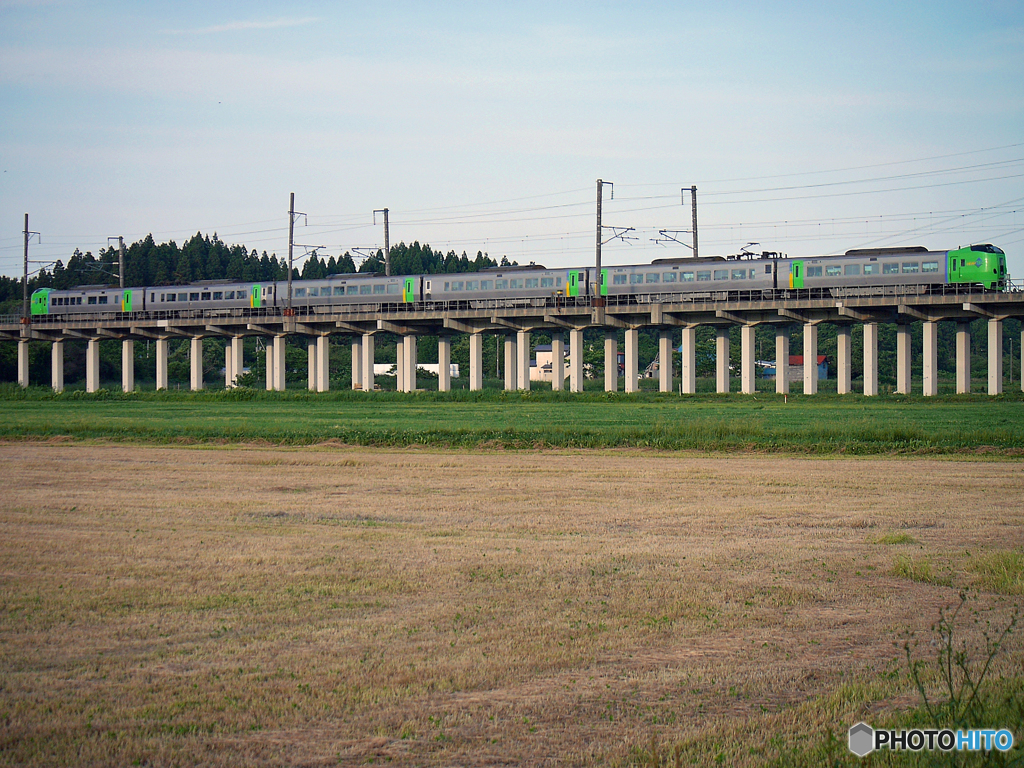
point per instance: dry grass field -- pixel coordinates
(329, 605)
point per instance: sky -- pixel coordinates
(807, 128)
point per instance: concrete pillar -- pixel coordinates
(870, 359)
(311, 363)
(229, 376)
(523, 359)
(903, 360)
(195, 358)
(411, 362)
(995, 356)
(749, 378)
(575, 360)
(323, 363)
(688, 367)
(444, 360)
(476, 361)
(23, 363)
(665, 360)
(844, 365)
(611, 361)
(280, 363)
(963, 358)
(722, 359)
(161, 363)
(810, 359)
(510, 362)
(270, 364)
(557, 362)
(92, 365)
(127, 365)
(400, 364)
(357, 362)
(237, 359)
(782, 359)
(367, 364)
(931, 359)
(57, 366)
(632, 372)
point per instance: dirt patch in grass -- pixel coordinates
(265, 606)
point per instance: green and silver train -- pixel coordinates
(915, 269)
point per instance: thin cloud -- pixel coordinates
(236, 26)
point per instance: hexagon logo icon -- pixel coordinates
(862, 739)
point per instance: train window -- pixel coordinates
(558, 282)
(704, 276)
(669, 277)
(205, 296)
(833, 270)
(686, 277)
(515, 283)
(380, 288)
(533, 282)
(231, 295)
(339, 290)
(218, 295)
(910, 267)
(299, 293)
(365, 290)
(394, 288)
(721, 274)
(501, 285)
(653, 277)
(930, 266)
(547, 282)
(739, 274)
(851, 269)
(314, 291)
(103, 299)
(152, 297)
(351, 290)
(870, 269)
(458, 285)
(636, 279)
(92, 299)
(619, 279)
(486, 285)
(193, 296)
(814, 272)
(890, 268)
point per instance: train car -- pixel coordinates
(508, 283)
(87, 300)
(211, 295)
(353, 288)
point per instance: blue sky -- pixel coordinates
(809, 129)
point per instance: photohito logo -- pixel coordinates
(863, 740)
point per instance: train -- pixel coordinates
(868, 270)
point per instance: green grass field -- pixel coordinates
(820, 424)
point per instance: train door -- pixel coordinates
(256, 298)
(409, 290)
(796, 275)
(573, 287)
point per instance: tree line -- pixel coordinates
(203, 257)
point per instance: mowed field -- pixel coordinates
(408, 606)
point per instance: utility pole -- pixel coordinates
(693, 198)
(120, 258)
(598, 299)
(387, 240)
(24, 285)
(291, 245)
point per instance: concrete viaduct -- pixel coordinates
(515, 319)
